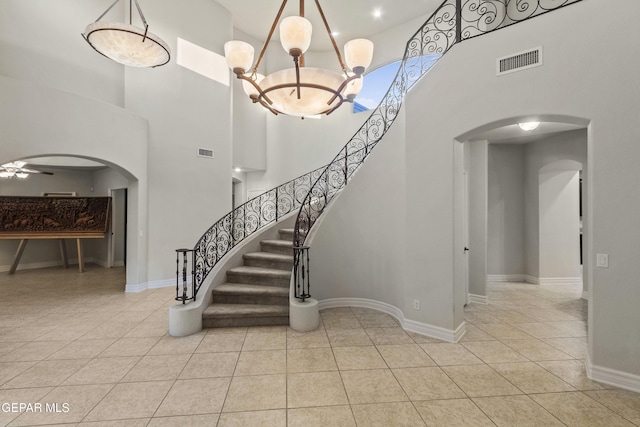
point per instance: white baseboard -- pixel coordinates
(154, 284)
(531, 279)
(478, 299)
(613, 377)
(542, 281)
(505, 277)
(586, 295)
(432, 331)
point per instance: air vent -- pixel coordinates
(519, 61)
(205, 152)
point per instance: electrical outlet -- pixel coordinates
(416, 304)
(602, 260)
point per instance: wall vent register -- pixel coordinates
(205, 152)
(519, 61)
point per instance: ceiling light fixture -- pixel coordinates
(17, 169)
(528, 126)
(300, 91)
(126, 43)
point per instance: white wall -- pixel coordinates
(40, 42)
(559, 226)
(506, 227)
(185, 111)
(478, 152)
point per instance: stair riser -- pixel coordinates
(249, 299)
(286, 235)
(277, 265)
(244, 321)
(251, 279)
(266, 247)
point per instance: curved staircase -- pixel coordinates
(256, 293)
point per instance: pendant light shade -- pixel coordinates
(358, 54)
(295, 34)
(239, 55)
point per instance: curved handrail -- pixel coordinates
(452, 22)
(244, 221)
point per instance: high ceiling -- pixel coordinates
(350, 18)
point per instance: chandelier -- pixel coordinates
(126, 43)
(300, 91)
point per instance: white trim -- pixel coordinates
(407, 324)
(505, 277)
(612, 377)
(156, 284)
(531, 279)
(135, 287)
(586, 295)
(545, 281)
(478, 299)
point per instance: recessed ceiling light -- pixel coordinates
(238, 170)
(377, 13)
(335, 33)
(528, 126)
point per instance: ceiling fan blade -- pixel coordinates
(25, 170)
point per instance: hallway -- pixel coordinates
(78, 339)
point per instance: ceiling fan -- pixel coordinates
(17, 169)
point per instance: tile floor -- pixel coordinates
(104, 357)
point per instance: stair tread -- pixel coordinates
(245, 289)
(237, 310)
(283, 243)
(268, 256)
(259, 271)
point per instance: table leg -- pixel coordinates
(80, 261)
(63, 252)
(19, 252)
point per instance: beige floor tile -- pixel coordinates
(397, 414)
(473, 333)
(479, 381)
(541, 330)
(130, 347)
(574, 329)
(374, 386)
(531, 378)
(256, 393)
(308, 341)
(377, 320)
(494, 352)
(360, 357)
(452, 413)
(46, 373)
(82, 349)
(310, 360)
(572, 372)
(427, 384)
(221, 342)
(66, 333)
(334, 416)
(265, 341)
(229, 330)
(422, 339)
(176, 345)
(66, 404)
(185, 421)
(148, 329)
(275, 418)
(130, 400)
(477, 318)
(106, 370)
(578, 409)
(33, 351)
(445, 354)
(10, 370)
(157, 368)
(348, 337)
(508, 411)
(209, 365)
(511, 316)
(8, 347)
(405, 356)
(191, 397)
(109, 330)
(26, 333)
(261, 363)
(315, 389)
(17, 396)
(345, 311)
(503, 331)
(575, 347)
(382, 336)
(623, 402)
(267, 329)
(536, 350)
(341, 321)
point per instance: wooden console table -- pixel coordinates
(24, 239)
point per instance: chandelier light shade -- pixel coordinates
(300, 91)
(126, 43)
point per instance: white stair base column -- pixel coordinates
(304, 316)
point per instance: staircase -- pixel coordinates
(257, 293)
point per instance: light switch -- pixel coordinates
(602, 260)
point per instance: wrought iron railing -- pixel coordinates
(454, 21)
(236, 226)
